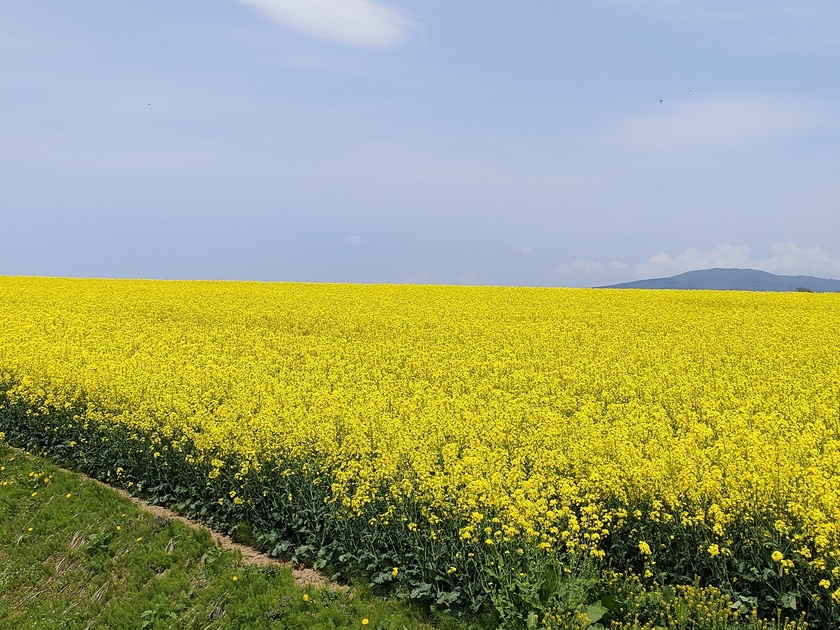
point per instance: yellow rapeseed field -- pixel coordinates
(509, 418)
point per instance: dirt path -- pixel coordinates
(303, 576)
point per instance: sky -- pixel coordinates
(525, 143)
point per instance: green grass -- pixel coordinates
(75, 554)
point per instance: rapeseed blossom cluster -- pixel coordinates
(560, 421)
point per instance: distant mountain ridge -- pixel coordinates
(734, 280)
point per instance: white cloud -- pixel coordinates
(785, 258)
(724, 255)
(790, 258)
(352, 240)
(367, 23)
(527, 251)
(725, 121)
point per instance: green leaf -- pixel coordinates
(532, 621)
(595, 612)
(550, 582)
(613, 605)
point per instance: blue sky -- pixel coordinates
(541, 143)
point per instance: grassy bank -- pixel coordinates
(76, 554)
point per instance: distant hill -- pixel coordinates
(734, 280)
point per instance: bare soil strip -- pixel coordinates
(303, 576)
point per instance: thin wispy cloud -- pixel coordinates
(691, 11)
(716, 12)
(722, 122)
(365, 23)
(785, 258)
(806, 24)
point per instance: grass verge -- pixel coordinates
(76, 554)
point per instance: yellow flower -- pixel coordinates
(365, 621)
(825, 584)
(394, 571)
(417, 395)
(68, 495)
(305, 597)
(777, 556)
